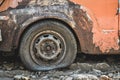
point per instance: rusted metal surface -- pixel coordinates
(95, 27)
(105, 22)
(7, 29)
(83, 29)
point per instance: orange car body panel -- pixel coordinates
(103, 14)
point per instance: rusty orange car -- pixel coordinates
(49, 33)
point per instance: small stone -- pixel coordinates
(104, 77)
(21, 77)
(39, 73)
(102, 66)
(17, 77)
(110, 74)
(84, 66)
(45, 77)
(55, 79)
(68, 78)
(97, 71)
(84, 77)
(117, 76)
(8, 66)
(73, 66)
(21, 67)
(32, 76)
(25, 78)
(57, 74)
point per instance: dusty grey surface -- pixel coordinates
(6, 78)
(85, 67)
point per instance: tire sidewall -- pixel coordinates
(39, 27)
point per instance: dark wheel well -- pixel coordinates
(56, 20)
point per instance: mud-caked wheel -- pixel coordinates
(47, 45)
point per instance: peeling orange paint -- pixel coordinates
(14, 3)
(106, 38)
(9, 3)
(105, 22)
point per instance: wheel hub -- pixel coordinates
(48, 47)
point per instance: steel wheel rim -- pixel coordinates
(48, 47)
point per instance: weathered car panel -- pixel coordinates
(95, 26)
(5, 4)
(103, 14)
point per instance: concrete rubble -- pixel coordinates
(86, 69)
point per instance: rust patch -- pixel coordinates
(83, 28)
(5, 4)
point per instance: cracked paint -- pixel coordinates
(106, 37)
(105, 22)
(9, 3)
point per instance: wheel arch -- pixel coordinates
(67, 24)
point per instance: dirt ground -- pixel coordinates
(85, 67)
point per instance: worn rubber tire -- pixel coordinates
(71, 46)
